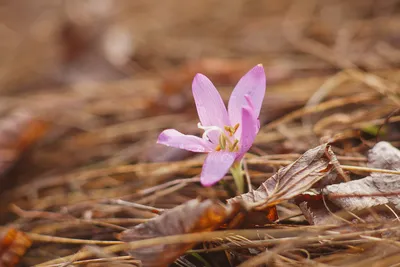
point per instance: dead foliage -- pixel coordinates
(293, 179)
(374, 190)
(191, 217)
(13, 245)
(369, 199)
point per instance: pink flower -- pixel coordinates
(228, 135)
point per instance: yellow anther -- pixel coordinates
(236, 127)
(228, 129)
(234, 145)
(222, 141)
(218, 148)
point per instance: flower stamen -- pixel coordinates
(236, 127)
(228, 129)
(232, 130)
(234, 146)
(222, 141)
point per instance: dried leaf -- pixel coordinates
(293, 179)
(323, 212)
(384, 156)
(375, 189)
(192, 216)
(17, 133)
(13, 245)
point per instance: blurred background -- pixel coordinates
(88, 84)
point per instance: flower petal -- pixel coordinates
(250, 127)
(209, 104)
(193, 143)
(253, 84)
(216, 166)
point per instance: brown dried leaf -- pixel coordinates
(17, 133)
(382, 188)
(13, 245)
(293, 179)
(190, 217)
(320, 212)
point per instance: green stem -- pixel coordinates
(238, 176)
(200, 258)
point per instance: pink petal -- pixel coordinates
(253, 84)
(251, 106)
(209, 104)
(216, 166)
(250, 127)
(193, 143)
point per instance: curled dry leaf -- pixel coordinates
(13, 245)
(190, 217)
(375, 189)
(294, 179)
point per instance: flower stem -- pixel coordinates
(238, 176)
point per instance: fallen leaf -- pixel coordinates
(18, 132)
(13, 245)
(324, 212)
(384, 156)
(293, 179)
(375, 189)
(190, 217)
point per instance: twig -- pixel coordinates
(367, 169)
(134, 205)
(65, 240)
(208, 236)
(61, 217)
(119, 258)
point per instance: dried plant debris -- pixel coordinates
(369, 199)
(384, 156)
(13, 245)
(375, 189)
(18, 132)
(193, 216)
(293, 179)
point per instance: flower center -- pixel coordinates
(226, 141)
